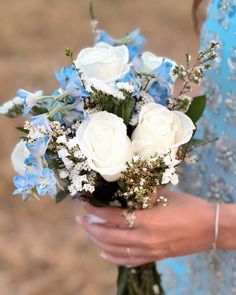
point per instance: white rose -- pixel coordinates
(19, 154)
(150, 62)
(104, 62)
(104, 141)
(160, 130)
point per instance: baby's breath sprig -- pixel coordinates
(192, 74)
(33, 130)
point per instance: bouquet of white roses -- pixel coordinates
(112, 133)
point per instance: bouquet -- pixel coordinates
(113, 133)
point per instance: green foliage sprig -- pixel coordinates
(15, 112)
(111, 104)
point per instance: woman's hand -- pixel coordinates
(185, 226)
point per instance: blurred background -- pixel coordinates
(42, 250)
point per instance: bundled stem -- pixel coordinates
(140, 280)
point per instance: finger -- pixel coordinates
(111, 235)
(133, 261)
(120, 251)
(113, 215)
(93, 219)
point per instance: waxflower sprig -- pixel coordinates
(192, 74)
(142, 178)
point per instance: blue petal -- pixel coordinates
(47, 182)
(163, 72)
(41, 120)
(134, 41)
(137, 43)
(39, 147)
(33, 164)
(23, 93)
(103, 36)
(160, 92)
(132, 79)
(24, 183)
(70, 81)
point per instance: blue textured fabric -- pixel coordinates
(214, 177)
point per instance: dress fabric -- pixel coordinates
(214, 176)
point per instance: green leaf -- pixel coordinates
(70, 54)
(15, 112)
(61, 196)
(22, 129)
(196, 108)
(127, 108)
(39, 110)
(111, 104)
(23, 138)
(196, 142)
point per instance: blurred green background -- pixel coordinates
(42, 250)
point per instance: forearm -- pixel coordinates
(227, 227)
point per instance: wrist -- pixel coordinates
(227, 227)
(209, 225)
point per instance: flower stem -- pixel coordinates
(36, 196)
(140, 280)
(54, 111)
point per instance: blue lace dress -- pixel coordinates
(214, 177)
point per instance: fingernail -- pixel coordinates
(104, 255)
(79, 219)
(95, 219)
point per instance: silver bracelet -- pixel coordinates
(217, 222)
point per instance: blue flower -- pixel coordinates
(132, 79)
(30, 99)
(161, 89)
(33, 164)
(39, 147)
(41, 121)
(79, 105)
(46, 183)
(160, 92)
(23, 93)
(103, 36)
(64, 76)
(163, 72)
(73, 116)
(74, 112)
(70, 82)
(134, 41)
(24, 183)
(161, 77)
